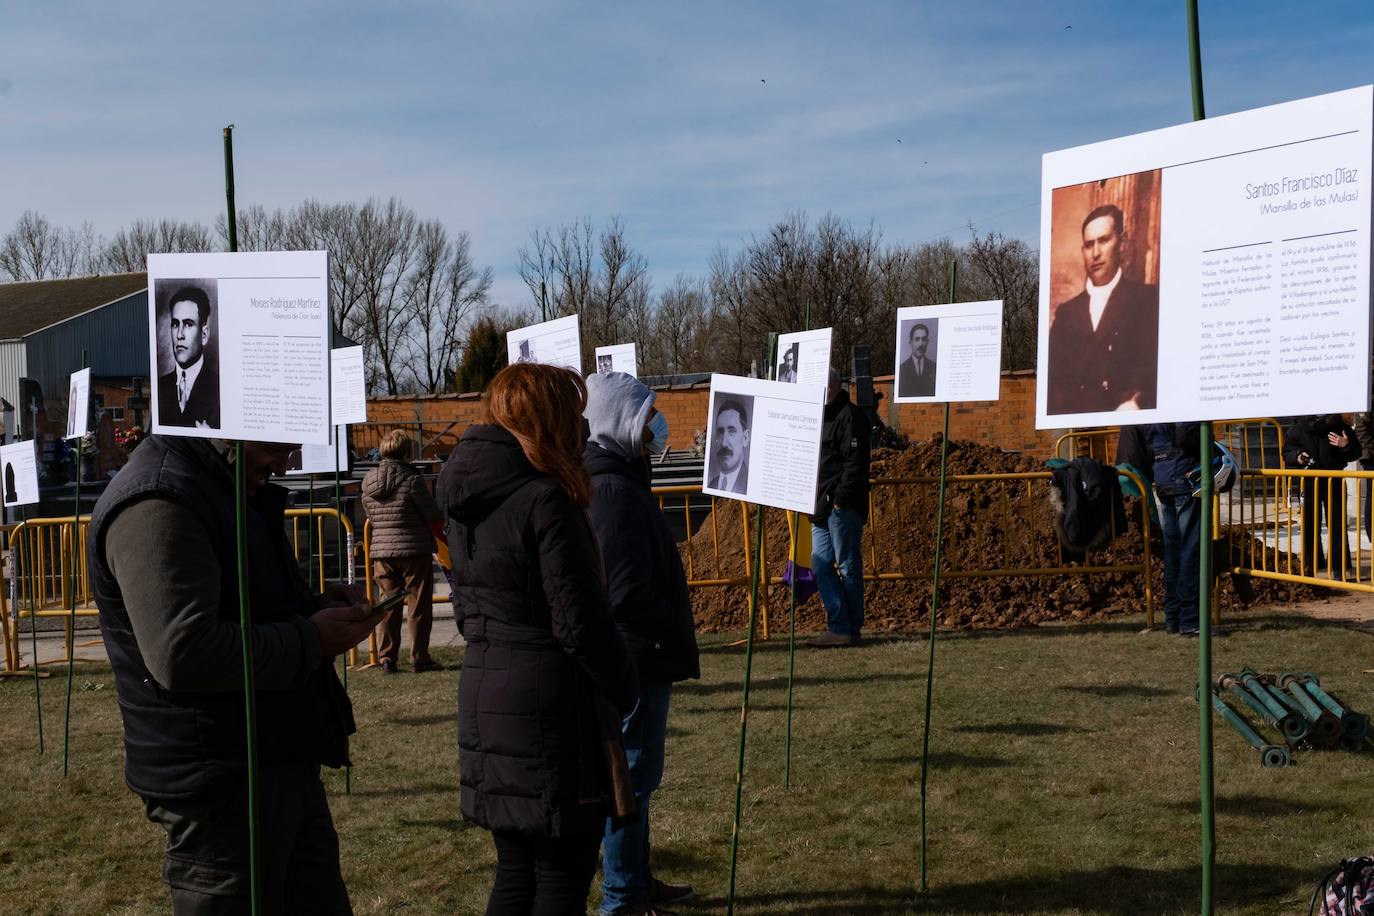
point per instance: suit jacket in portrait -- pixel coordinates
(1092, 371)
(913, 384)
(202, 404)
(741, 479)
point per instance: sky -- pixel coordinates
(697, 124)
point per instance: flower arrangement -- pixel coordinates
(128, 437)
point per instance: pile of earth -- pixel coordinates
(988, 524)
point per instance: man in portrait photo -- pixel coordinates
(71, 411)
(730, 447)
(603, 364)
(787, 372)
(1104, 342)
(189, 394)
(916, 374)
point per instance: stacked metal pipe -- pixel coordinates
(1292, 704)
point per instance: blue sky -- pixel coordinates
(697, 123)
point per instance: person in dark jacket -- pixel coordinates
(401, 510)
(649, 598)
(1167, 453)
(837, 527)
(1325, 442)
(546, 675)
(1364, 434)
(163, 568)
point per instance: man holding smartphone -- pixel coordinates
(163, 568)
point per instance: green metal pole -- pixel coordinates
(75, 584)
(757, 551)
(33, 634)
(792, 619)
(250, 707)
(310, 529)
(934, 606)
(1207, 785)
(345, 563)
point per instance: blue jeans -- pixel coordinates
(1180, 518)
(627, 878)
(838, 564)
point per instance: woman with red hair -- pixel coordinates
(546, 675)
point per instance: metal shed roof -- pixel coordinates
(33, 305)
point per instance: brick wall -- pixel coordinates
(1008, 423)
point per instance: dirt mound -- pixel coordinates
(1003, 524)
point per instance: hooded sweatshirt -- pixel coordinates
(618, 407)
(644, 576)
(400, 509)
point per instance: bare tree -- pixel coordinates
(678, 341)
(444, 290)
(1008, 269)
(379, 252)
(128, 250)
(36, 249)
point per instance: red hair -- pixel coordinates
(541, 406)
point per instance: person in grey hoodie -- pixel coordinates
(402, 511)
(649, 599)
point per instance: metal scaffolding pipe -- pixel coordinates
(1271, 755)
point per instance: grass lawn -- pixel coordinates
(1063, 780)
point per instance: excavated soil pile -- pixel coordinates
(988, 525)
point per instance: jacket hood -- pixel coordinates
(617, 411)
(835, 405)
(386, 479)
(487, 466)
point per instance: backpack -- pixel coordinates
(1347, 890)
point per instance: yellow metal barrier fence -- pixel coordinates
(1019, 542)
(41, 553)
(1269, 537)
(1098, 444)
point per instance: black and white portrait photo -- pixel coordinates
(604, 364)
(727, 465)
(11, 495)
(788, 360)
(72, 428)
(916, 350)
(188, 392)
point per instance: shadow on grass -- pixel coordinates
(779, 682)
(436, 719)
(951, 760)
(1261, 806)
(1119, 690)
(1026, 729)
(1119, 889)
(399, 791)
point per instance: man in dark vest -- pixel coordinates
(164, 572)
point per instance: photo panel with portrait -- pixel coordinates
(617, 358)
(1214, 270)
(555, 342)
(804, 357)
(950, 352)
(19, 467)
(240, 345)
(763, 441)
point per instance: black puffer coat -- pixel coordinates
(542, 649)
(1308, 435)
(644, 576)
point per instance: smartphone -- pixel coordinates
(389, 604)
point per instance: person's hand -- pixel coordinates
(338, 594)
(1304, 459)
(342, 627)
(1340, 440)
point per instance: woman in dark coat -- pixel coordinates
(1325, 442)
(546, 675)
